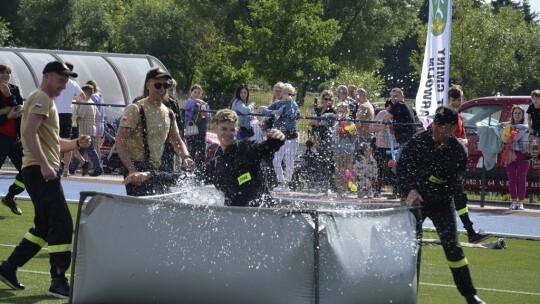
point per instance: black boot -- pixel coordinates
(8, 275)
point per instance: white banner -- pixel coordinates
(433, 89)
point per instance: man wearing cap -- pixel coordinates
(141, 148)
(41, 161)
(429, 171)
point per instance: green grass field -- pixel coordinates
(501, 276)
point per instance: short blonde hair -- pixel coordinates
(289, 89)
(226, 115)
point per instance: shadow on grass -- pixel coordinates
(12, 296)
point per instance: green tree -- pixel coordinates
(43, 24)
(171, 32)
(5, 33)
(287, 40)
(368, 80)
(367, 26)
(94, 24)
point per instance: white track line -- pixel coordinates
(421, 283)
(488, 289)
(33, 271)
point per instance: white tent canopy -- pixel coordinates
(119, 76)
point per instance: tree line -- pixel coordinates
(315, 44)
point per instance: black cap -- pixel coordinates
(60, 68)
(445, 116)
(157, 73)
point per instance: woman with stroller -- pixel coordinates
(321, 136)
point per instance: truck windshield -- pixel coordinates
(482, 115)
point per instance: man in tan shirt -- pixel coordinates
(41, 161)
(130, 140)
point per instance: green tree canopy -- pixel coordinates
(43, 23)
(287, 40)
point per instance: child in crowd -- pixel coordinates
(257, 124)
(343, 148)
(534, 122)
(88, 118)
(366, 171)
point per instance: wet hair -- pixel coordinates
(225, 115)
(4, 68)
(535, 94)
(514, 108)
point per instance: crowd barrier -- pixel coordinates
(478, 180)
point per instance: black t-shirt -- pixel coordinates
(535, 117)
(402, 113)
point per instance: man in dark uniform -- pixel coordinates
(236, 166)
(430, 170)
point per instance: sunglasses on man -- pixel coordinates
(158, 85)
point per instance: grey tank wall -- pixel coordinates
(137, 250)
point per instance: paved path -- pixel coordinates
(496, 220)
